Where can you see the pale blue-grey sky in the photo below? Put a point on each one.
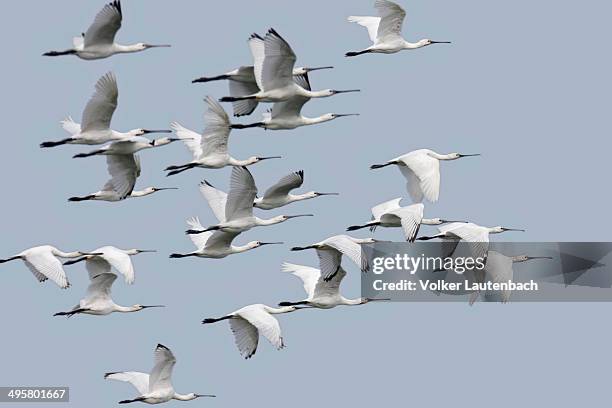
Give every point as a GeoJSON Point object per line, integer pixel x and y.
{"type": "Point", "coordinates": [524, 83]}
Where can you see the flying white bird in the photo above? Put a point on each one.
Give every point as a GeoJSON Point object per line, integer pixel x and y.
{"type": "Point", "coordinates": [98, 301]}
{"type": "Point", "coordinates": [499, 269]}
{"type": "Point", "coordinates": [235, 210]}
{"type": "Point", "coordinates": [217, 244]}
{"type": "Point", "coordinates": [242, 80]}
{"type": "Point", "coordinates": [209, 150]}
{"type": "Point", "coordinates": [124, 169]}
{"type": "Point", "coordinates": [44, 264]}
{"type": "Point", "coordinates": [274, 62]}
{"type": "Point", "coordinates": [95, 123]}
{"type": "Point", "coordinates": [321, 294]}
{"type": "Point", "coordinates": [154, 388]}
{"type": "Point", "coordinates": [391, 214]}
{"type": "Point", "coordinates": [421, 168]}
{"type": "Point", "coordinates": [111, 257]}
{"type": "Point", "coordinates": [330, 253]}
{"type": "Point", "coordinates": [288, 114]}
{"type": "Point", "coordinates": [385, 31]}
{"type": "Point", "coordinates": [250, 321]}
{"type": "Point", "coordinates": [476, 236]}
{"type": "Point", "coordinates": [99, 39]}
{"type": "Point", "coordinates": [129, 146]}
{"type": "Point", "coordinates": [280, 195]}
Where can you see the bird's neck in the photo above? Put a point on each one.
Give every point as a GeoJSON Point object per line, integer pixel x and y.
{"type": "Point", "coordinates": [141, 193]}
{"type": "Point", "coordinates": [120, 48]}
{"type": "Point", "coordinates": [279, 310]}
{"type": "Point", "coordinates": [314, 121]}
{"type": "Point", "coordinates": [269, 221]}
{"type": "Point", "coordinates": [413, 46]}
{"type": "Point", "coordinates": [184, 397]}
{"type": "Point", "coordinates": [316, 94]}
{"type": "Point", "coordinates": [66, 254]}
{"type": "Point", "coordinates": [241, 248]}
{"type": "Point", "coordinates": [298, 197]}
{"type": "Point", "coordinates": [126, 309]}
{"type": "Point", "coordinates": [441, 156]}
{"type": "Point", "coordinates": [429, 221]}
{"type": "Point", "coordinates": [235, 162]}
{"type": "Point", "coordinates": [351, 302]}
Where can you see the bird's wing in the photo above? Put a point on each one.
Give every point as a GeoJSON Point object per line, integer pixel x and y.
{"type": "Point", "coordinates": [332, 287]}
{"type": "Point", "coordinates": [216, 199]}
{"type": "Point", "coordinates": [329, 262]}
{"type": "Point", "coordinates": [221, 239]}
{"type": "Point", "coordinates": [106, 24]}
{"type": "Point", "coordinates": [100, 287]}
{"type": "Point", "coordinates": [265, 323]}
{"type": "Point", "coordinates": [121, 262]}
{"type": "Point", "coordinates": [371, 23]}
{"type": "Point", "coordinates": [477, 238]}
{"type": "Point", "coordinates": [427, 171]}
{"type": "Point", "coordinates": [99, 110]}
{"type": "Point", "coordinates": [278, 62]}
{"type": "Point", "coordinates": [124, 170]}
{"type": "Point", "coordinates": [240, 88]}
{"type": "Point", "coordinates": [140, 381]}
{"type": "Point", "coordinates": [192, 140]}
{"type": "Point", "coordinates": [348, 247]}
{"type": "Point", "coordinates": [245, 336]}
{"type": "Point", "coordinates": [383, 208]}
{"type": "Point", "coordinates": [44, 265]}
{"type": "Point", "coordinates": [285, 185]}
{"type": "Point", "coordinates": [309, 276]}
{"type": "Point", "coordinates": [199, 240]}
{"type": "Point", "coordinates": [410, 217]}
{"type": "Point", "coordinates": [241, 195]}
{"type": "Point", "coordinates": [303, 80]}
{"type": "Point", "coordinates": [413, 184]}
{"type": "Point", "coordinates": [290, 108]}
{"type": "Point", "coordinates": [392, 18]}
{"type": "Point", "coordinates": [96, 265]}
{"type": "Point", "coordinates": [258, 50]}
{"type": "Point", "coordinates": [499, 269]}
{"type": "Point", "coordinates": [217, 130]}
{"type": "Point", "coordinates": [70, 126]}
{"type": "Point", "coordinates": [160, 377]}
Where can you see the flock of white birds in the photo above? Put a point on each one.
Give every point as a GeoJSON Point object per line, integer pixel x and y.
{"type": "Point", "coordinates": [273, 78]}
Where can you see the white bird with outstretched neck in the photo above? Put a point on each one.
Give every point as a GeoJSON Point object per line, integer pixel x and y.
{"type": "Point", "coordinates": [98, 300]}
{"type": "Point", "coordinates": [109, 257]}
{"type": "Point", "coordinates": [386, 31]}
{"type": "Point", "coordinates": [209, 150]}
{"type": "Point", "coordinates": [421, 168]}
{"type": "Point", "coordinates": [475, 235]}
{"type": "Point", "coordinates": [156, 387]}
{"type": "Point", "coordinates": [124, 170]}
{"type": "Point", "coordinates": [99, 39]}
{"type": "Point", "coordinates": [96, 120]}
{"type": "Point", "coordinates": [128, 146]}
{"type": "Point", "coordinates": [273, 68]}
{"type": "Point", "coordinates": [44, 264]}
{"type": "Point", "coordinates": [391, 214]}
{"type": "Point", "coordinates": [217, 244]}
{"type": "Point", "coordinates": [251, 321]}
{"type": "Point", "coordinates": [330, 253]}
{"type": "Point", "coordinates": [242, 80]}
{"type": "Point", "coordinates": [235, 210]}
{"type": "Point", "coordinates": [322, 294]}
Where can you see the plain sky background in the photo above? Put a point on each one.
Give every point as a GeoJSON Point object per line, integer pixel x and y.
{"type": "Point", "coordinates": [524, 83]}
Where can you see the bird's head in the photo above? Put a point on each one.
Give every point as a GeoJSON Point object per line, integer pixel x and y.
{"type": "Point", "coordinates": [257, 159]}
{"type": "Point", "coordinates": [426, 42]}
{"type": "Point", "coordinates": [500, 229]}
{"type": "Point", "coordinates": [145, 46]}
{"type": "Point", "coordinates": [524, 258]}
{"type": "Point", "coordinates": [257, 244]}
{"type": "Point", "coordinates": [332, 116]}
{"type": "Point", "coordinates": [283, 218]}
{"type": "Point", "coordinates": [330, 92]}
{"type": "Point", "coordinates": [163, 140]}
{"type": "Point", "coordinates": [365, 300]}
{"type": "Point", "coordinates": [142, 132]}
{"type": "Point", "coordinates": [151, 190]}
{"type": "Point", "coordinates": [314, 194]}
{"type": "Point", "coordinates": [139, 307]}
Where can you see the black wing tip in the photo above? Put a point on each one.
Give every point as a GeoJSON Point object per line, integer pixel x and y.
{"type": "Point", "coordinates": [206, 183]}
{"type": "Point", "coordinates": [300, 173]}
{"type": "Point", "coordinates": [161, 346]}
{"type": "Point", "coordinates": [106, 375]}
{"type": "Point", "coordinates": [117, 5]}
{"type": "Point", "coordinates": [255, 35]}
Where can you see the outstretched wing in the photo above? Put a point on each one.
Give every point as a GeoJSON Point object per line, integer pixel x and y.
{"type": "Point", "coordinates": [278, 62]}
{"type": "Point", "coordinates": [241, 195]}
{"type": "Point", "coordinates": [411, 218]}
{"type": "Point", "coordinates": [240, 88]}
{"type": "Point", "coordinates": [160, 378]}
{"type": "Point", "coordinates": [121, 262]}
{"type": "Point", "coordinates": [258, 51]}
{"type": "Point", "coordinates": [140, 381]}
{"type": "Point", "coordinates": [124, 170]}
{"type": "Point", "coordinates": [216, 199]}
{"type": "Point", "coordinates": [246, 336]}
{"type": "Point", "coordinates": [217, 130]}
{"type": "Point", "coordinates": [371, 23]}
{"type": "Point", "coordinates": [99, 110]}
{"type": "Point", "coordinates": [383, 208]}
{"type": "Point", "coordinates": [192, 140]}
{"type": "Point", "coordinates": [392, 18]}
{"type": "Point", "coordinates": [44, 265]}
{"type": "Point", "coordinates": [427, 170]}
{"type": "Point", "coordinates": [285, 185]}
{"type": "Point", "coordinates": [199, 240]}
{"type": "Point", "coordinates": [106, 24]}
{"type": "Point", "coordinates": [309, 276]}
{"type": "Point", "coordinates": [345, 245]}
{"type": "Point", "coordinates": [100, 287]}
{"type": "Point", "coordinates": [264, 322]}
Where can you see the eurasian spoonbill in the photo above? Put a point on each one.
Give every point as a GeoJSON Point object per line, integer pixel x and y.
{"type": "Point", "coordinates": [217, 244]}
{"type": "Point", "coordinates": [330, 253]}
{"type": "Point", "coordinates": [280, 195]}
{"type": "Point", "coordinates": [235, 210]}
{"type": "Point", "coordinates": [385, 31]}
{"type": "Point", "coordinates": [99, 39]}
{"type": "Point", "coordinates": [129, 146]}
{"type": "Point", "coordinates": [209, 150]}
{"type": "Point", "coordinates": [274, 74]}
{"type": "Point", "coordinates": [95, 123]}
{"type": "Point", "coordinates": [421, 168]}
{"type": "Point", "coordinates": [322, 294]}
{"type": "Point", "coordinates": [154, 388]}
{"type": "Point", "coordinates": [251, 321]}
{"type": "Point", "coordinates": [44, 264]}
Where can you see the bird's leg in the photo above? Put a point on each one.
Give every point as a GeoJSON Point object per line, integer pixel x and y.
{"type": "Point", "coordinates": [355, 53]}
{"type": "Point", "coordinates": [214, 320]}
{"type": "Point", "coordinates": [179, 169]}
{"type": "Point", "coordinates": [84, 198]}
{"type": "Point", "coordinates": [71, 313]}
{"type": "Point", "coordinates": [58, 53]}
{"type": "Point", "coordinates": [302, 302]}
{"type": "Point", "coordinates": [92, 153]}
{"type": "Point", "coordinates": [13, 258]}
{"type": "Point", "coordinates": [182, 255]}
{"type": "Point", "coordinates": [356, 227]}
{"type": "Point", "coordinates": [208, 79]}
{"type": "Point", "coordinates": [236, 98]}
{"type": "Point", "coordinates": [139, 399]}
{"type": "Point", "coordinates": [58, 143]}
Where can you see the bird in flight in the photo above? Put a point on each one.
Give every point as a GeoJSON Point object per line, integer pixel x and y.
{"type": "Point", "coordinates": [99, 39]}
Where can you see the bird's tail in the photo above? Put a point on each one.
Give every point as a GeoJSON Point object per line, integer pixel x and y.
{"type": "Point", "coordinates": [58, 53]}
{"type": "Point", "coordinates": [13, 258]}
{"type": "Point", "coordinates": [208, 79]}
{"type": "Point", "coordinates": [357, 227]}
{"type": "Point", "coordinates": [355, 53]}
{"type": "Point", "coordinates": [84, 198]}
{"type": "Point", "coordinates": [236, 98]}
{"type": "Point", "coordinates": [57, 143]}
{"type": "Point", "coordinates": [302, 302]}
